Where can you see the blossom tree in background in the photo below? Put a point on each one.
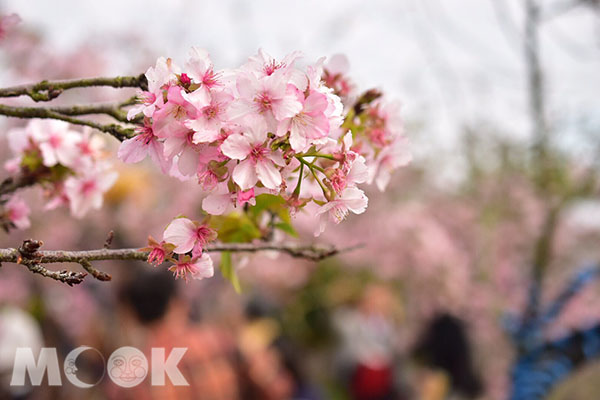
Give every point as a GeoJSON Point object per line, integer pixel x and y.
{"type": "Point", "coordinates": [264, 141]}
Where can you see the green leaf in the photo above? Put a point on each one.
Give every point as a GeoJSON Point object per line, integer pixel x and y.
{"type": "Point", "coordinates": [32, 160]}
{"type": "Point", "coordinates": [265, 202]}
{"type": "Point", "coordinates": [228, 271]}
{"type": "Point", "coordinates": [287, 228]}
{"type": "Point", "coordinates": [235, 228]}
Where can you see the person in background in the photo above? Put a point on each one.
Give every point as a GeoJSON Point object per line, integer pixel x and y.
{"type": "Point", "coordinates": [153, 315]}
{"type": "Point", "coordinates": [272, 367]}
{"type": "Point", "coordinates": [443, 354]}
{"type": "Point", "coordinates": [368, 354]}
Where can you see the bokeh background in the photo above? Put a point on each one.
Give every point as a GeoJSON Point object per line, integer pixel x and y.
{"type": "Point", "coordinates": [460, 231]}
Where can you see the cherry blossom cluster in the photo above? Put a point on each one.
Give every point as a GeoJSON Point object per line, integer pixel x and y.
{"type": "Point", "coordinates": [187, 239]}
{"type": "Point", "coordinates": [269, 126]}
{"type": "Point", "coordinates": [70, 165]}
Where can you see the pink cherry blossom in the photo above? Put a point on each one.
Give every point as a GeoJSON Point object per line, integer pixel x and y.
{"type": "Point", "coordinates": [159, 76]}
{"type": "Point", "coordinates": [90, 145]}
{"type": "Point", "coordinates": [200, 68]}
{"type": "Point", "coordinates": [144, 144]}
{"type": "Point", "coordinates": [211, 117]}
{"type": "Point", "coordinates": [157, 251]}
{"type": "Point", "coordinates": [169, 120]}
{"type": "Point", "coordinates": [269, 97]}
{"type": "Point", "coordinates": [351, 199]}
{"type": "Point", "coordinates": [57, 143]}
{"type": "Point", "coordinates": [188, 235]}
{"type": "Point", "coordinates": [389, 159]}
{"type": "Point", "coordinates": [220, 201]}
{"type": "Point", "coordinates": [268, 126]}
{"type": "Point", "coordinates": [17, 212]}
{"type": "Point", "coordinates": [263, 64]}
{"type": "Point", "coordinates": [197, 268]}
{"type": "Point", "coordinates": [334, 75]}
{"type": "Point", "coordinates": [86, 192]}
{"type": "Point", "coordinates": [309, 124]}
{"type": "Point", "coordinates": [258, 162]}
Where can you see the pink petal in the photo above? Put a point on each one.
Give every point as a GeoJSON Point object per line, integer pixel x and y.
{"type": "Point", "coordinates": [132, 151]}
{"type": "Point", "coordinates": [203, 267]}
{"type": "Point", "coordinates": [268, 174]}
{"type": "Point", "coordinates": [244, 174]}
{"type": "Point", "coordinates": [202, 135]}
{"type": "Point", "coordinates": [286, 107]}
{"type": "Point", "coordinates": [315, 103]}
{"type": "Point", "coordinates": [236, 147]}
{"type": "Point", "coordinates": [182, 233]}
{"type": "Point", "coordinates": [188, 161]}
{"type": "Point", "coordinates": [216, 204]}
{"type": "Point", "coordinates": [157, 154]}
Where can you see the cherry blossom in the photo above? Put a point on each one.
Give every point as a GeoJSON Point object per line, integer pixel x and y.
{"type": "Point", "coordinates": [269, 97]}
{"type": "Point", "coordinates": [258, 162]}
{"type": "Point", "coordinates": [158, 252]}
{"type": "Point", "coordinates": [86, 192]}
{"type": "Point", "coordinates": [188, 235]}
{"type": "Point", "coordinates": [158, 76]}
{"type": "Point", "coordinates": [17, 212]}
{"type": "Point", "coordinates": [351, 199]}
{"type": "Point", "coordinates": [200, 68]}
{"type": "Point", "coordinates": [196, 268]}
{"type": "Point", "coordinates": [57, 143]}
{"type": "Point", "coordinates": [72, 163]}
{"type": "Point", "coordinates": [268, 126]}
{"type": "Point", "coordinates": [309, 124]}
{"type": "Point", "coordinates": [144, 144]}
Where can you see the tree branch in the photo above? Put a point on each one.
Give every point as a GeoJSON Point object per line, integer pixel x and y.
{"type": "Point", "coordinates": [116, 130]}
{"type": "Point", "coordinates": [112, 110]}
{"type": "Point", "coordinates": [49, 90]}
{"type": "Point", "coordinates": [30, 256]}
{"type": "Point", "coordinates": [12, 184]}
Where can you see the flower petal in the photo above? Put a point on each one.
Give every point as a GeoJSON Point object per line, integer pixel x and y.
{"type": "Point", "coordinates": [244, 174]}
{"type": "Point", "coordinates": [182, 233]}
{"type": "Point", "coordinates": [236, 147]}
{"type": "Point", "coordinates": [268, 174]}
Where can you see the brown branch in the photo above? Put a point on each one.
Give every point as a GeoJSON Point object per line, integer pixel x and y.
{"type": "Point", "coordinates": [49, 90]}
{"type": "Point", "coordinates": [116, 130]}
{"type": "Point", "coordinates": [12, 184]}
{"type": "Point", "coordinates": [112, 110]}
{"type": "Point", "coordinates": [30, 256]}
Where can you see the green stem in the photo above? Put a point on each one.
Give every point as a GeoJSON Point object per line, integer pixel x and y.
{"type": "Point", "coordinates": [312, 170]}
{"type": "Point", "coordinates": [297, 189]}
{"type": "Point", "coordinates": [327, 156]}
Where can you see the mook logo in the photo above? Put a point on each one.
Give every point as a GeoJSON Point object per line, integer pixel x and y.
{"type": "Point", "coordinates": [126, 367]}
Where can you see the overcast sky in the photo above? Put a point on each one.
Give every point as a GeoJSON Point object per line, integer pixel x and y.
{"type": "Point", "coordinates": [450, 62]}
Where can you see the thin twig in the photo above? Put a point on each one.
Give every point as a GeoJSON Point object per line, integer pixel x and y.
{"type": "Point", "coordinates": [30, 256]}
{"type": "Point", "coordinates": [116, 130]}
{"type": "Point", "coordinates": [49, 90]}
{"type": "Point", "coordinates": [112, 110]}
{"type": "Point", "coordinates": [12, 184]}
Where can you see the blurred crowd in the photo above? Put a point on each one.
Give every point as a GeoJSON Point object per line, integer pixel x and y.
{"type": "Point", "coordinates": [245, 353]}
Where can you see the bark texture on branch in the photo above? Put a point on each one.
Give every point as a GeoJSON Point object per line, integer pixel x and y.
{"type": "Point", "coordinates": [30, 255]}
{"type": "Point", "coordinates": [116, 130]}
{"type": "Point", "coordinates": [49, 90]}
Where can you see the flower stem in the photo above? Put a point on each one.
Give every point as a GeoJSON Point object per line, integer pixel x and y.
{"type": "Point", "coordinates": [327, 156]}
{"type": "Point", "coordinates": [300, 175]}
